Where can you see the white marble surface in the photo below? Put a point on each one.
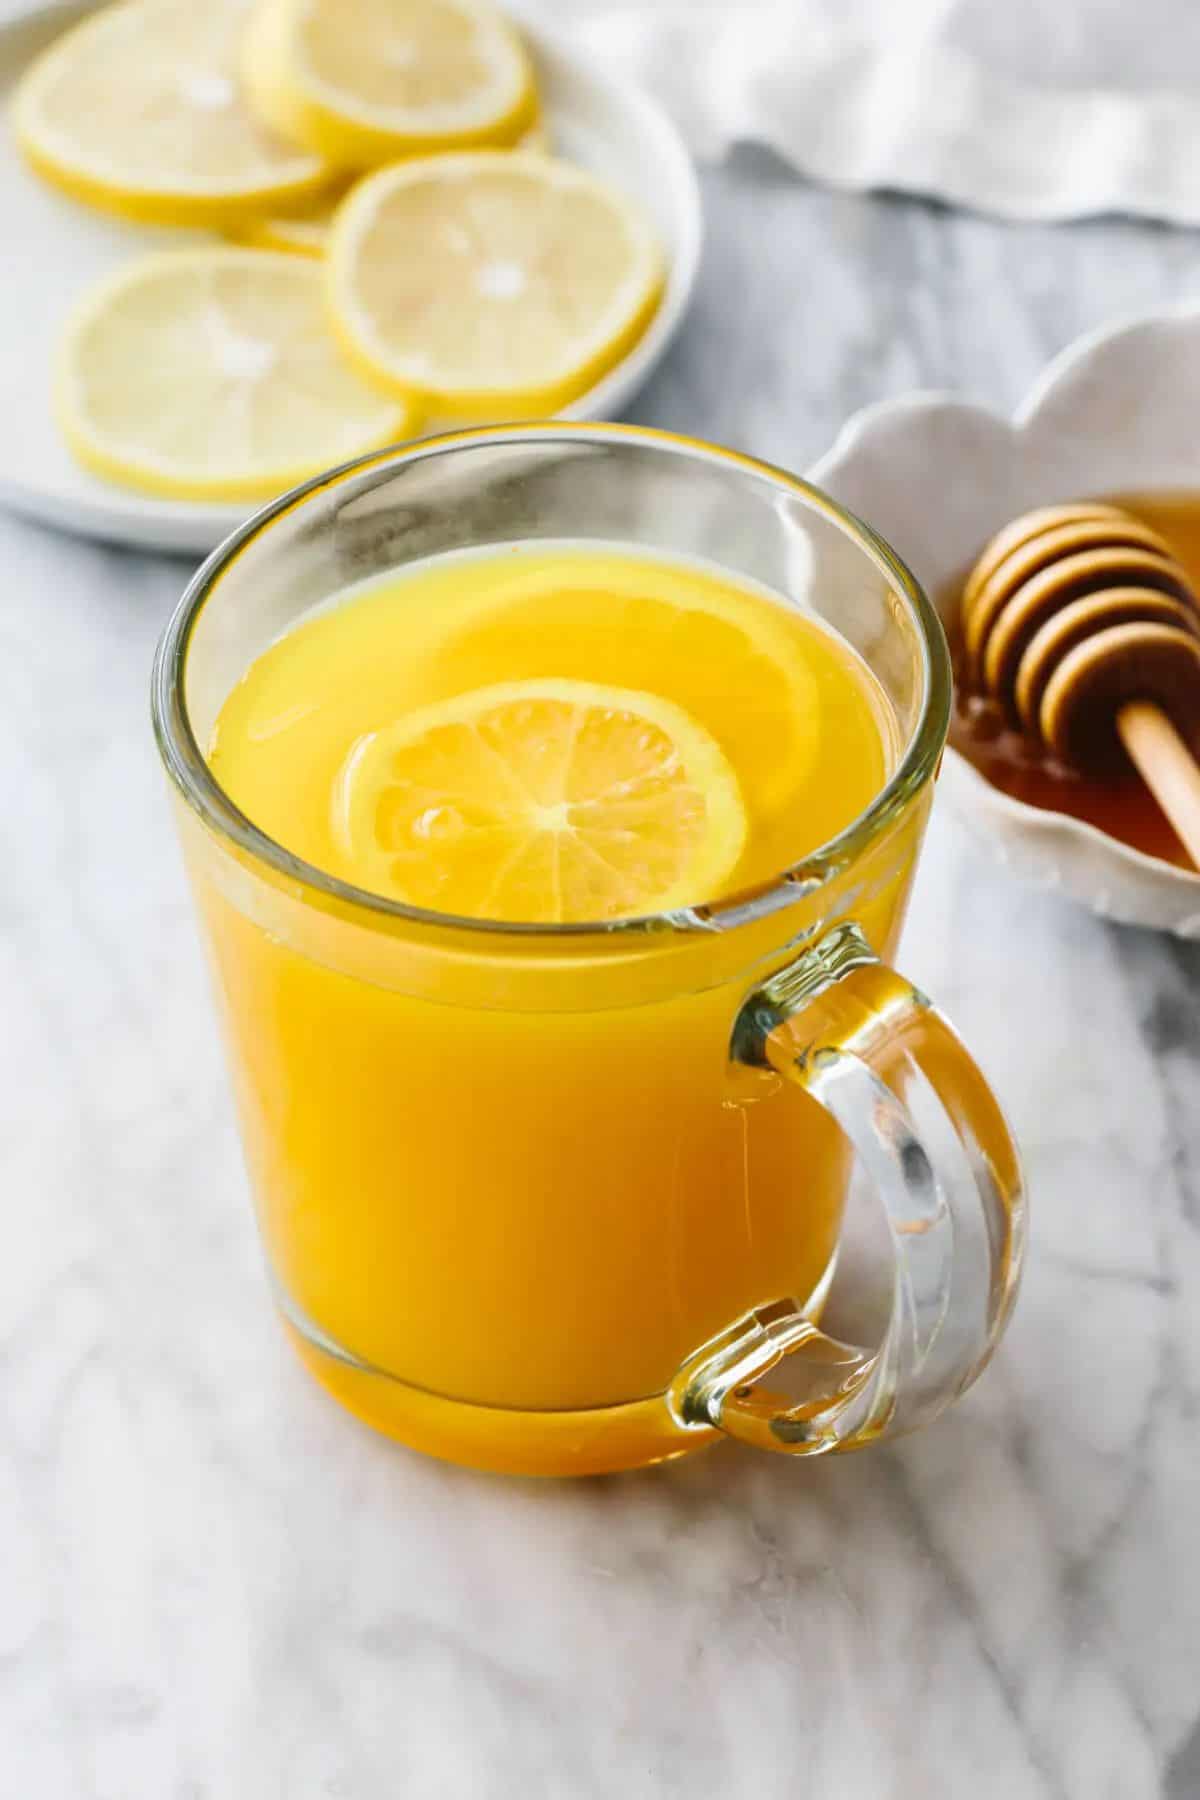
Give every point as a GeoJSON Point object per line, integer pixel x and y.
{"type": "Point", "coordinates": [213, 1586]}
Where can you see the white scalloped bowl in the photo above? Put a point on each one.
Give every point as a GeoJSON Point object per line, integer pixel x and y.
{"type": "Point", "coordinates": [1117, 412]}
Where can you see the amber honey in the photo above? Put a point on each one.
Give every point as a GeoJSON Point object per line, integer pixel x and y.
{"type": "Point", "coordinates": [1119, 804]}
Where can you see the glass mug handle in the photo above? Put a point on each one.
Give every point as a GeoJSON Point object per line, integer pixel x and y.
{"type": "Point", "coordinates": [861, 1041]}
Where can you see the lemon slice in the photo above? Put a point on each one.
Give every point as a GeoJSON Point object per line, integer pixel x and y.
{"type": "Point", "coordinates": [362, 82]}
{"type": "Point", "coordinates": [491, 284]}
{"type": "Point", "coordinates": [541, 801]}
{"type": "Point", "coordinates": [137, 110]}
{"type": "Point", "coordinates": [210, 374]}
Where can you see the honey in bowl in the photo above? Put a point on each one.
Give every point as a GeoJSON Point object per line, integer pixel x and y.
{"type": "Point", "coordinates": [1115, 799]}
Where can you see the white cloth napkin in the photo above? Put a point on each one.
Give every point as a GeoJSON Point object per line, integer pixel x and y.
{"type": "Point", "coordinates": [1033, 109]}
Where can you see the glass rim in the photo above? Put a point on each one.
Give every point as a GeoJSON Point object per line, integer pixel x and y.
{"type": "Point", "coordinates": [189, 770]}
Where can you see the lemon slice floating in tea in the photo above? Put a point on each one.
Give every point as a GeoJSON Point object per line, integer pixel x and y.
{"type": "Point", "coordinates": [541, 801]}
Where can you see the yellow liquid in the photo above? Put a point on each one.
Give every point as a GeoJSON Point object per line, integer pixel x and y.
{"type": "Point", "coordinates": [799, 718]}
{"type": "Point", "coordinates": [506, 1188]}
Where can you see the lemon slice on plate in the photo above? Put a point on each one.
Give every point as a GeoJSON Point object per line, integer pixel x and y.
{"type": "Point", "coordinates": [541, 801]}
{"type": "Point", "coordinates": [490, 284]}
{"type": "Point", "coordinates": [362, 82]}
{"type": "Point", "coordinates": [209, 374]}
{"type": "Point", "coordinates": [137, 110]}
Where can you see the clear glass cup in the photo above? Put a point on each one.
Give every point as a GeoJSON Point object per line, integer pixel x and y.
{"type": "Point", "coordinates": [566, 1199]}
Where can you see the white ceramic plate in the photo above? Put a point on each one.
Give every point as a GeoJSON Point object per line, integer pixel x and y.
{"type": "Point", "coordinates": [1117, 412]}
{"type": "Point", "coordinates": [53, 248]}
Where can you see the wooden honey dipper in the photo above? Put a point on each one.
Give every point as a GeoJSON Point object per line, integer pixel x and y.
{"type": "Point", "coordinates": [1080, 621]}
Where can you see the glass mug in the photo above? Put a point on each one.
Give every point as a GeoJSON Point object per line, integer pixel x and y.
{"type": "Point", "coordinates": [565, 1199]}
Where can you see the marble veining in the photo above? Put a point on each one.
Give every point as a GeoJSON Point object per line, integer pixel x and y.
{"type": "Point", "coordinates": [213, 1586]}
